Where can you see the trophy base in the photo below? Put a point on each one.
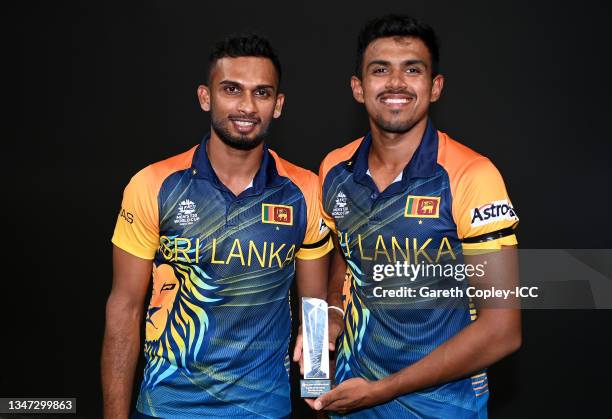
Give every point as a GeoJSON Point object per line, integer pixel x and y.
{"type": "Point", "coordinates": [313, 388]}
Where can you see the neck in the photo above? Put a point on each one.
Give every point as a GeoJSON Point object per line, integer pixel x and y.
{"type": "Point", "coordinates": [395, 150]}
{"type": "Point", "coordinates": [232, 165]}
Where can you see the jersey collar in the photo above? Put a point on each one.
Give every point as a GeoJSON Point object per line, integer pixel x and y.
{"type": "Point", "coordinates": [422, 165]}
{"type": "Point", "coordinates": [266, 177]}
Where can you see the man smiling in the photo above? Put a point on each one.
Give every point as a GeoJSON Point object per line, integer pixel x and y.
{"type": "Point", "coordinates": [223, 228]}
{"type": "Point", "coordinates": [407, 192]}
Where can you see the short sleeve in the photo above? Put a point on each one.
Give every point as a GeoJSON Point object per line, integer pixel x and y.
{"type": "Point", "coordinates": [327, 218]}
{"type": "Point", "coordinates": [137, 228]}
{"type": "Point", "coordinates": [317, 241]}
{"type": "Point", "coordinates": [482, 210]}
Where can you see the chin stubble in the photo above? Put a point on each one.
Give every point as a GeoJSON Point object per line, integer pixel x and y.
{"type": "Point", "coordinates": [238, 142]}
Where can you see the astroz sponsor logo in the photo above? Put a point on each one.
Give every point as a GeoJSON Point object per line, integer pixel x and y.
{"type": "Point", "coordinates": [127, 216]}
{"type": "Point", "coordinates": [492, 212]}
{"type": "Point", "coordinates": [322, 227]}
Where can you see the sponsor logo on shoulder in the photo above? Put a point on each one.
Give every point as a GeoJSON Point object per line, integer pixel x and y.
{"type": "Point", "coordinates": [277, 214]}
{"type": "Point", "coordinates": [341, 206]}
{"type": "Point", "coordinates": [323, 227]}
{"type": "Point", "coordinates": [127, 216]}
{"type": "Point", "coordinates": [186, 213]}
{"type": "Point", "coordinates": [492, 212]}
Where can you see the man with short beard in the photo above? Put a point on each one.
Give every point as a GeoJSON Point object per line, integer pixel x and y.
{"type": "Point", "coordinates": [223, 228]}
{"type": "Point", "coordinates": [408, 192]}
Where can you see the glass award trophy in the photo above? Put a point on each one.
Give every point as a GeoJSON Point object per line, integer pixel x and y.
{"type": "Point", "coordinates": [315, 346]}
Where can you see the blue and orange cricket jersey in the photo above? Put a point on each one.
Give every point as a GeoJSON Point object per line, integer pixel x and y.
{"type": "Point", "coordinates": [218, 323]}
{"type": "Point", "coordinates": [448, 199]}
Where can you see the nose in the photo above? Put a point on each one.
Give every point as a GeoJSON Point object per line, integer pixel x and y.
{"type": "Point", "coordinates": [247, 104]}
{"type": "Point", "coordinates": [396, 80]}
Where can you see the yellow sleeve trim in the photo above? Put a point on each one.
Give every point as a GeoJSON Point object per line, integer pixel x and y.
{"type": "Point", "coordinates": [485, 247]}
{"type": "Point", "coordinates": [317, 252]}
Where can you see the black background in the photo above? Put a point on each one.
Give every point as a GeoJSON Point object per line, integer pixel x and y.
{"type": "Point", "coordinates": [102, 90]}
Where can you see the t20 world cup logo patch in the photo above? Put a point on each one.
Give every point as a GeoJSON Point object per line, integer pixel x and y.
{"type": "Point", "coordinates": [422, 206]}
{"type": "Point", "coordinates": [277, 214]}
{"type": "Point", "coordinates": [186, 215]}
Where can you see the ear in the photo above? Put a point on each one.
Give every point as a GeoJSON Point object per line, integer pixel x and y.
{"type": "Point", "coordinates": [436, 88]}
{"type": "Point", "coordinates": [357, 89]}
{"type": "Point", "coordinates": [204, 98]}
{"type": "Point", "coordinates": [278, 105]}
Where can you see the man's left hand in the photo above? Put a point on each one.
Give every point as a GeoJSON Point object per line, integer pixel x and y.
{"type": "Point", "coordinates": [355, 393]}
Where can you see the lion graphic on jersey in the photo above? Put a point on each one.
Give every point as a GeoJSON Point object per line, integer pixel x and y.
{"type": "Point", "coordinates": [176, 320]}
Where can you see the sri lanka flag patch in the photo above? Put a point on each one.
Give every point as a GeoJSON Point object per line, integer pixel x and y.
{"type": "Point", "coordinates": [422, 206]}
{"type": "Point", "coordinates": [277, 214]}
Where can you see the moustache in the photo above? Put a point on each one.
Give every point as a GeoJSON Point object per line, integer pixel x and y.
{"type": "Point", "coordinates": [396, 92]}
{"type": "Point", "coordinates": [247, 118]}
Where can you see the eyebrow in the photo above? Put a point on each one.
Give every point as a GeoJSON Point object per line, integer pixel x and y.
{"type": "Point", "coordinates": [404, 63]}
{"type": "Point", "coordinates": [413, 62]}
{"type": "Point", "coordinates": [264, 86]}
{"type": "Point", "coordinates": [235, 83]}
{"type": "Point", "coordinates": [378, 62]}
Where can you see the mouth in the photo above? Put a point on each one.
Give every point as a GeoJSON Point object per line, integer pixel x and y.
{"type": "Point", "coordinates": [396, 101]}
{"type": "Point", "coordinates": [244, 125]}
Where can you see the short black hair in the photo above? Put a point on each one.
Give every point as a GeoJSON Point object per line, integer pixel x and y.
{"type": "Point", "coordinates": [244, 45]}
{"type": "Point", "coordinates": [397, 25]}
